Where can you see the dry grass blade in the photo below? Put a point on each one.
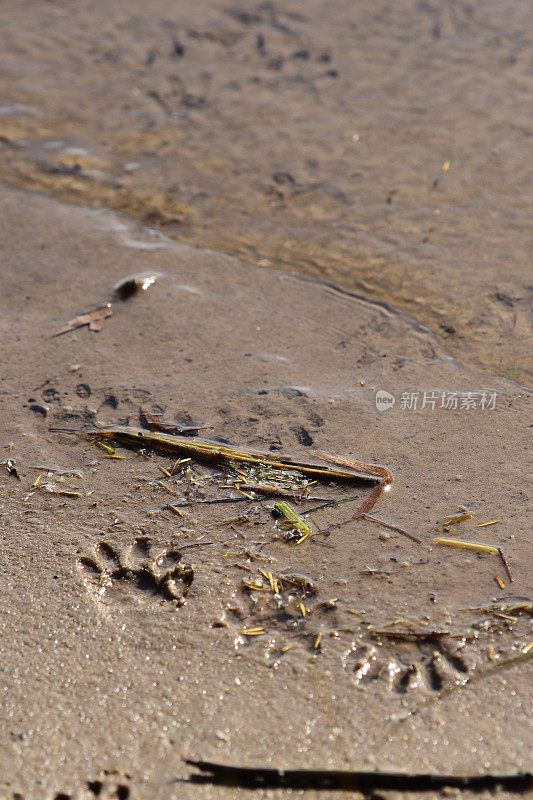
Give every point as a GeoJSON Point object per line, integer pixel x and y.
{"type": "Point", "coordinates": [505, 564]}
{"type": "Point", "coordinates": [381, 473]}
{"type": "Point", "coordinates": [482, 548]}
{"type": "Point", "coordinates": [371, 469]}
{"type": "Point", "coordinates": [153, 423]}
{"type": "Point", "coordinates": [392, 528]}
{"type": "Point", "coordinates": [385, 479]}
{"type": "Point", "coordinates": [277, 490]}
{"type": "Point", "coordinates": [222, 454]}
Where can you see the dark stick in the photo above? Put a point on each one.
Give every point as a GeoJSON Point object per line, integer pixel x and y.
{"type": "Point", "coordinates": [221, 774]}
{"type": "Point", "coordinates": [392, 527]}
{"type": "Point", "coordinates": [505, 564]}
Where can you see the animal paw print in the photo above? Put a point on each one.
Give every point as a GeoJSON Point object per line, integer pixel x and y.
{"type": "Point", "coordinates": [428, 664]}
{"type": "Point", "coordinates": [109, 785]}
{"type": "Point", "coordinates": [157, 579]}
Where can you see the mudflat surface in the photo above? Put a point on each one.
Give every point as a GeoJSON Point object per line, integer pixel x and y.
{"type": "Point", "coordinates": [300, 135]}
{"type": "Point", "coordinates": [334, 203]}
{"type": "Point", "coordinates": [110, 672]}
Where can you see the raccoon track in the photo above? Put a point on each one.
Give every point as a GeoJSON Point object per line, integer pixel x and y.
{"type": "Point", "coordinates": [109, 785]}
{"type": "Point", "coordinates": [430, 664]}
{"type": "Point", "coordinates": [139, 574]}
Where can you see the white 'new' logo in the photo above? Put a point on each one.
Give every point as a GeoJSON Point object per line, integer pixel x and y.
{"type": "Point", "coordinates": [384, 400]}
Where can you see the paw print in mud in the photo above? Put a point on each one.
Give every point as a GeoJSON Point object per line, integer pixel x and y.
{"type": "Point", "coordinates": [108, 785]}
{"type": "Point", "coordinates": [428, 663]}
{"type": "Point", "coordinates": [138, 575]}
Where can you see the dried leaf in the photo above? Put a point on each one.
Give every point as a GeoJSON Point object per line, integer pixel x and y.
{"type": "Point", "coordinates": [95, 319]}
{"type": "Point", "coordinates": [153, 423]}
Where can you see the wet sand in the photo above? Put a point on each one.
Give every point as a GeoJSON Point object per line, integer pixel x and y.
{"type": "Point", "coordinates": [232, 153]}
{"type": "Point", "coordinates": [103, 670]}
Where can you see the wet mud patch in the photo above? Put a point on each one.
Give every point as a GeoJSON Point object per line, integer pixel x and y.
{"type": "Point", "coordinates": [286, 614]}
{"type": "Point", "coordinates": [257, 356]}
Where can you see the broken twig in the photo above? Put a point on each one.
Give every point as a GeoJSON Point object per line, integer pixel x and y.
{"type": "Point", "coordinates": [222, 454]}
{"type": "Point", "coordinates": [262, 777]}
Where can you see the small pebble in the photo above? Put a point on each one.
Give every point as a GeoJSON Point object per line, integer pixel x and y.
{"type": "Point", "coordinates": [384, 537]}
